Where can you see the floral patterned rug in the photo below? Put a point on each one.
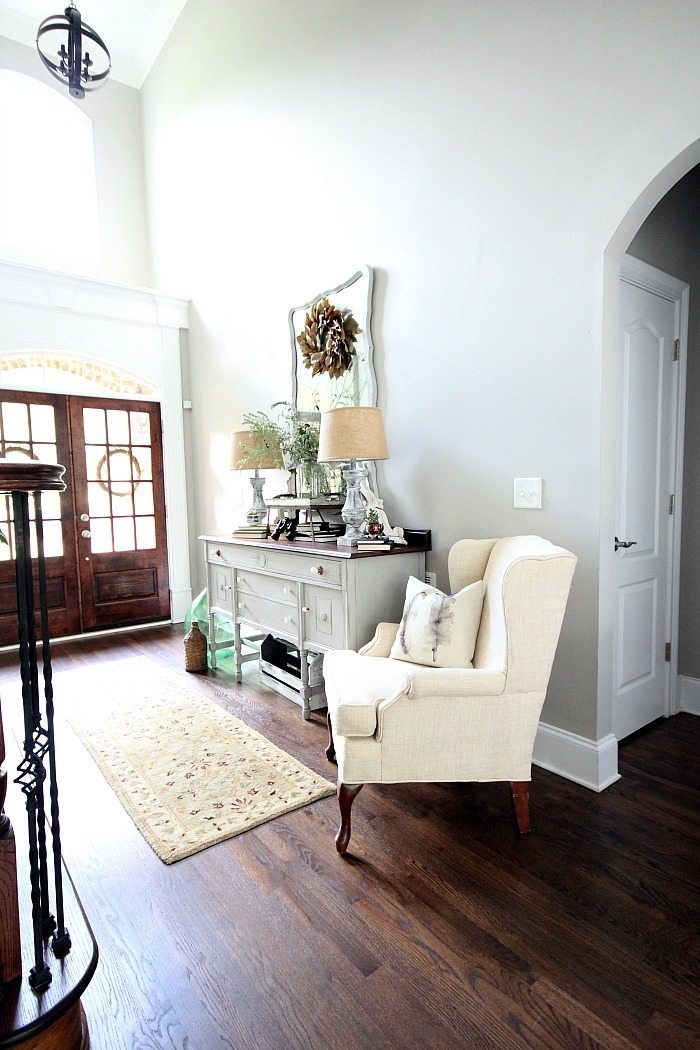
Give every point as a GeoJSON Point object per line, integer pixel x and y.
{"type": "Point", "coordinates": [188, 773]}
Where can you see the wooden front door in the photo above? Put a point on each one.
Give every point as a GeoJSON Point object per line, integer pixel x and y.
{"type": "Point", "coordinates": [35, 426]}
{"type": "Point", "coordinates": [105, 537]}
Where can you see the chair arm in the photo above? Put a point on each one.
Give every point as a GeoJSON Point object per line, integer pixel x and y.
{"type": "Point", "coordinates": [382, 642]}
{"type": "Point", "coordinates": [455, 681]}
{"type": "Point", "coordinates": [356, 686]}
{"type": "Point", "coordinates": [444, 687]}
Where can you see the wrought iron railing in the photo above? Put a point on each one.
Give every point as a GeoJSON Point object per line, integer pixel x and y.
{"type": "Point", "coordinates": [24, 481]}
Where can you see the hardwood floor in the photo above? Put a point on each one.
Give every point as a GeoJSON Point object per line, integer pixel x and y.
{"type": "Point", "coordinates": [440, 929]}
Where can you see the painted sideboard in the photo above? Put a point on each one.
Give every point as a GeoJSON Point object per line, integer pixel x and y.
{"type": "Point", "coordinates": [314, 596]}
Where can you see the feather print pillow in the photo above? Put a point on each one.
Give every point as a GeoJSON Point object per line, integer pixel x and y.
{"type": "Point", "coordinates": [439, 629]}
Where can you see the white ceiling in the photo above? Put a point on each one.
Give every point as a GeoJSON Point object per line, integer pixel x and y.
{"type": "Point", "coordinates": [133, 30]}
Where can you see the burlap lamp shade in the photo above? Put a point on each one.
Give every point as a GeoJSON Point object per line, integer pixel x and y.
{"type": "Point", "coordinates": [352, 433]}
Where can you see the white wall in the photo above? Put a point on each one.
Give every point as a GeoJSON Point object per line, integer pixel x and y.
{"type": "Point", "coordinates": [115, 112]}
{"type": "Point", "coordinates": [670, 240]}
{"type": "Point", "coordinates": [480, 157]}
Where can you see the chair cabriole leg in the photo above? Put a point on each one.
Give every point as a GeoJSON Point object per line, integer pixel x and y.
{"type": "Point", "coordinates": [346, 796]}
{"type": "Point", "coordinates": [330, 750]}
{"type": "Point", "coordinates": [520, 793]}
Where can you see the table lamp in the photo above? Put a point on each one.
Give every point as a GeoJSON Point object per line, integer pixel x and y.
{"type": "Point", "coordinates": [252, 451]}
{"type": "Point", "coordinates": [352, 434]}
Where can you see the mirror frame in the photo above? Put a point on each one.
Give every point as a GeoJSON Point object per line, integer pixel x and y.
{"type": "Point", "coordinates": [365, 325]}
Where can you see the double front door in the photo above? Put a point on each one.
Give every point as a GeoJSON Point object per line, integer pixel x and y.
{"type": "Point", "coordinates": [105, 536]}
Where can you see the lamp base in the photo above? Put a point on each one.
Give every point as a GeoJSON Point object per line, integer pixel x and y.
{"type": "Point", "coordinates": [349, 537]}
{"type": "Point", "coordinates": [257, 513]}
{"type": "Point", "coordinates": [353, 513]}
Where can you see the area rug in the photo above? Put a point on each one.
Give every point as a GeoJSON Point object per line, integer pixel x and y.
{"type": "Point", "coordinates": [188, 773]}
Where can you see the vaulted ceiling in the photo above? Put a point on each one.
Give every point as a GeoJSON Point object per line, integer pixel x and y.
{"type": "Point", "coordinates": [133, 30]}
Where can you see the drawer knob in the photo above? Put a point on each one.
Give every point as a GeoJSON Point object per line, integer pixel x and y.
{"type": "Point", "coordinates": [317, 570]}
{"type": "Point", "coordinates": [217, 552]}
{"type": "Point", "coordinates": [240, 605]}
{"type": "Point", "coordinates": [323, 617]}
{"type": "Point", "coordinates": [305, 608]}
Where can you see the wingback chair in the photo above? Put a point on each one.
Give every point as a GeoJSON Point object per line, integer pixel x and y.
{"type": "Point", "coordinates": [394, 722]}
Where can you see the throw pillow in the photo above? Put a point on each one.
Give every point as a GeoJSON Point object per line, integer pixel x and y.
{"type": "Point", "coordinates": [439, 629]}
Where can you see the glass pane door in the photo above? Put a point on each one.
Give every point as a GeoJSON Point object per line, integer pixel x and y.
{"type": "Point", "coordinates": [35, 426]}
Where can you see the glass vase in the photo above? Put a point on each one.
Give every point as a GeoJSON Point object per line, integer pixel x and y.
{"type": "Point", "coordinates": [311, 480]}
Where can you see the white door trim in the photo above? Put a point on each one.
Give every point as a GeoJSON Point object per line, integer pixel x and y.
{"type": "Point", "coordinates": [135, 331]}
{"type": "Point", "coordinates": [641, 274]}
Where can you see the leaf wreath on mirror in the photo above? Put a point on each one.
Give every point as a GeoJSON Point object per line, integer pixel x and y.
{"type": "Point", "coordinates": [327, 341]}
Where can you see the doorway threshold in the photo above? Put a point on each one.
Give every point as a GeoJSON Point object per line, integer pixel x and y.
{"type": "Point", "coordinates": [94, 634]}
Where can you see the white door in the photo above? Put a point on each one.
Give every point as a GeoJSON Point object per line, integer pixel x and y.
{"type": "Point", "coordinates": [650, 315]}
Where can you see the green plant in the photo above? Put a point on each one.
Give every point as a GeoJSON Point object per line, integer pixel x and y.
{"type": "Point", "coordinates": [371, 517]}
{"type": "Point", "coordinates": [297, 437]}
{"type": "Point", "coordinates": [265, 429]}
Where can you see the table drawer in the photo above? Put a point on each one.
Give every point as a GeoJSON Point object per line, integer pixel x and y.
{"type": "Point", "coordinates": [262, 586]}
{"type": "Point", "coordinates": [282, 562]}
{"type": "Point", "coordinates": [324, 617]}
{"type": "Point", "coordinates": [311, 567]}
{"type": "Point", "coordinates": [270, 615]}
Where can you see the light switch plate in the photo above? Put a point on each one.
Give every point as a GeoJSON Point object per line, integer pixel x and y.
{"type": "Point", "coordinates": [527, 493]}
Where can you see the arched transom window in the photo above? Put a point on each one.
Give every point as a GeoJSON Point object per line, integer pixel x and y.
{"type": "Point", "coordinates": [67, 373]}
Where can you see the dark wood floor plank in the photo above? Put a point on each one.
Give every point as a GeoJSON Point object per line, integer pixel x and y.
{"type": "Point", "coordinates": [443, 929]}
{"type": "Point", "coordinates": [514, 906]}
{"type": "Point", "coordinates": [416, 962]}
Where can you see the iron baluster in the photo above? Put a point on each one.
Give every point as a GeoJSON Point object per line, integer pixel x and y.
{"type": "Point", "coordinates": [31, 769]}
{"type": "Point", "coordinates": [61, 942]}
{"type": "Point", "coordinates": [40, 735]}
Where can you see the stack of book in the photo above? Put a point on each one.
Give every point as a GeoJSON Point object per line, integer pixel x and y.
{"type": "Point", "coordinates": [251, 532]}
{"type": "Point", "coordinates": [375, 543]}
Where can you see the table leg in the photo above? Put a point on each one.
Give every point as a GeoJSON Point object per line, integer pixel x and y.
{"type": "Point", "coordinates": [305, 687]}
{"type": "Point", "coordinates": [212, 641]}
{"type": "Point", "coordinates": [239, 652]}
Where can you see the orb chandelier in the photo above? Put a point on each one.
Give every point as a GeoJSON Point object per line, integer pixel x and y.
{"type": "Point", "coordinates": [63, 42]}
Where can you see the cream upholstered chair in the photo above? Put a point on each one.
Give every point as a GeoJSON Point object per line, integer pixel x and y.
{"type": "Point", "coordinates": [393, 722]}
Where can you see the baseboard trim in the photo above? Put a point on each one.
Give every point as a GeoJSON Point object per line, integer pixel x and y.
{"type": "Point", "coordinates": [689, 694]}
{"type": "Point", "coordinates": [591, 763]}
{"type": "Point", "coordinates": [180, 604]}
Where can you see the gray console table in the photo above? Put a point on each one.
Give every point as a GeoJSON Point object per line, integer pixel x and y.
{"type": "Point", "coordinates": [315, 596]}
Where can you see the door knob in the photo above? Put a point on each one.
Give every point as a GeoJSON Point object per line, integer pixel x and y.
{"type": "Point", "coordinates": [86, 534]}
{"type": "Point", "coordinates": [624, 543]}
{"type": "Point", "coordinates": [84, 517]}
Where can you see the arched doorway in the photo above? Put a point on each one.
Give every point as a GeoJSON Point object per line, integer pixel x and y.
{"type": "Point", "coordinates": [612, 386]}
{"type": "Point", "coordinates": [119, 341]}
